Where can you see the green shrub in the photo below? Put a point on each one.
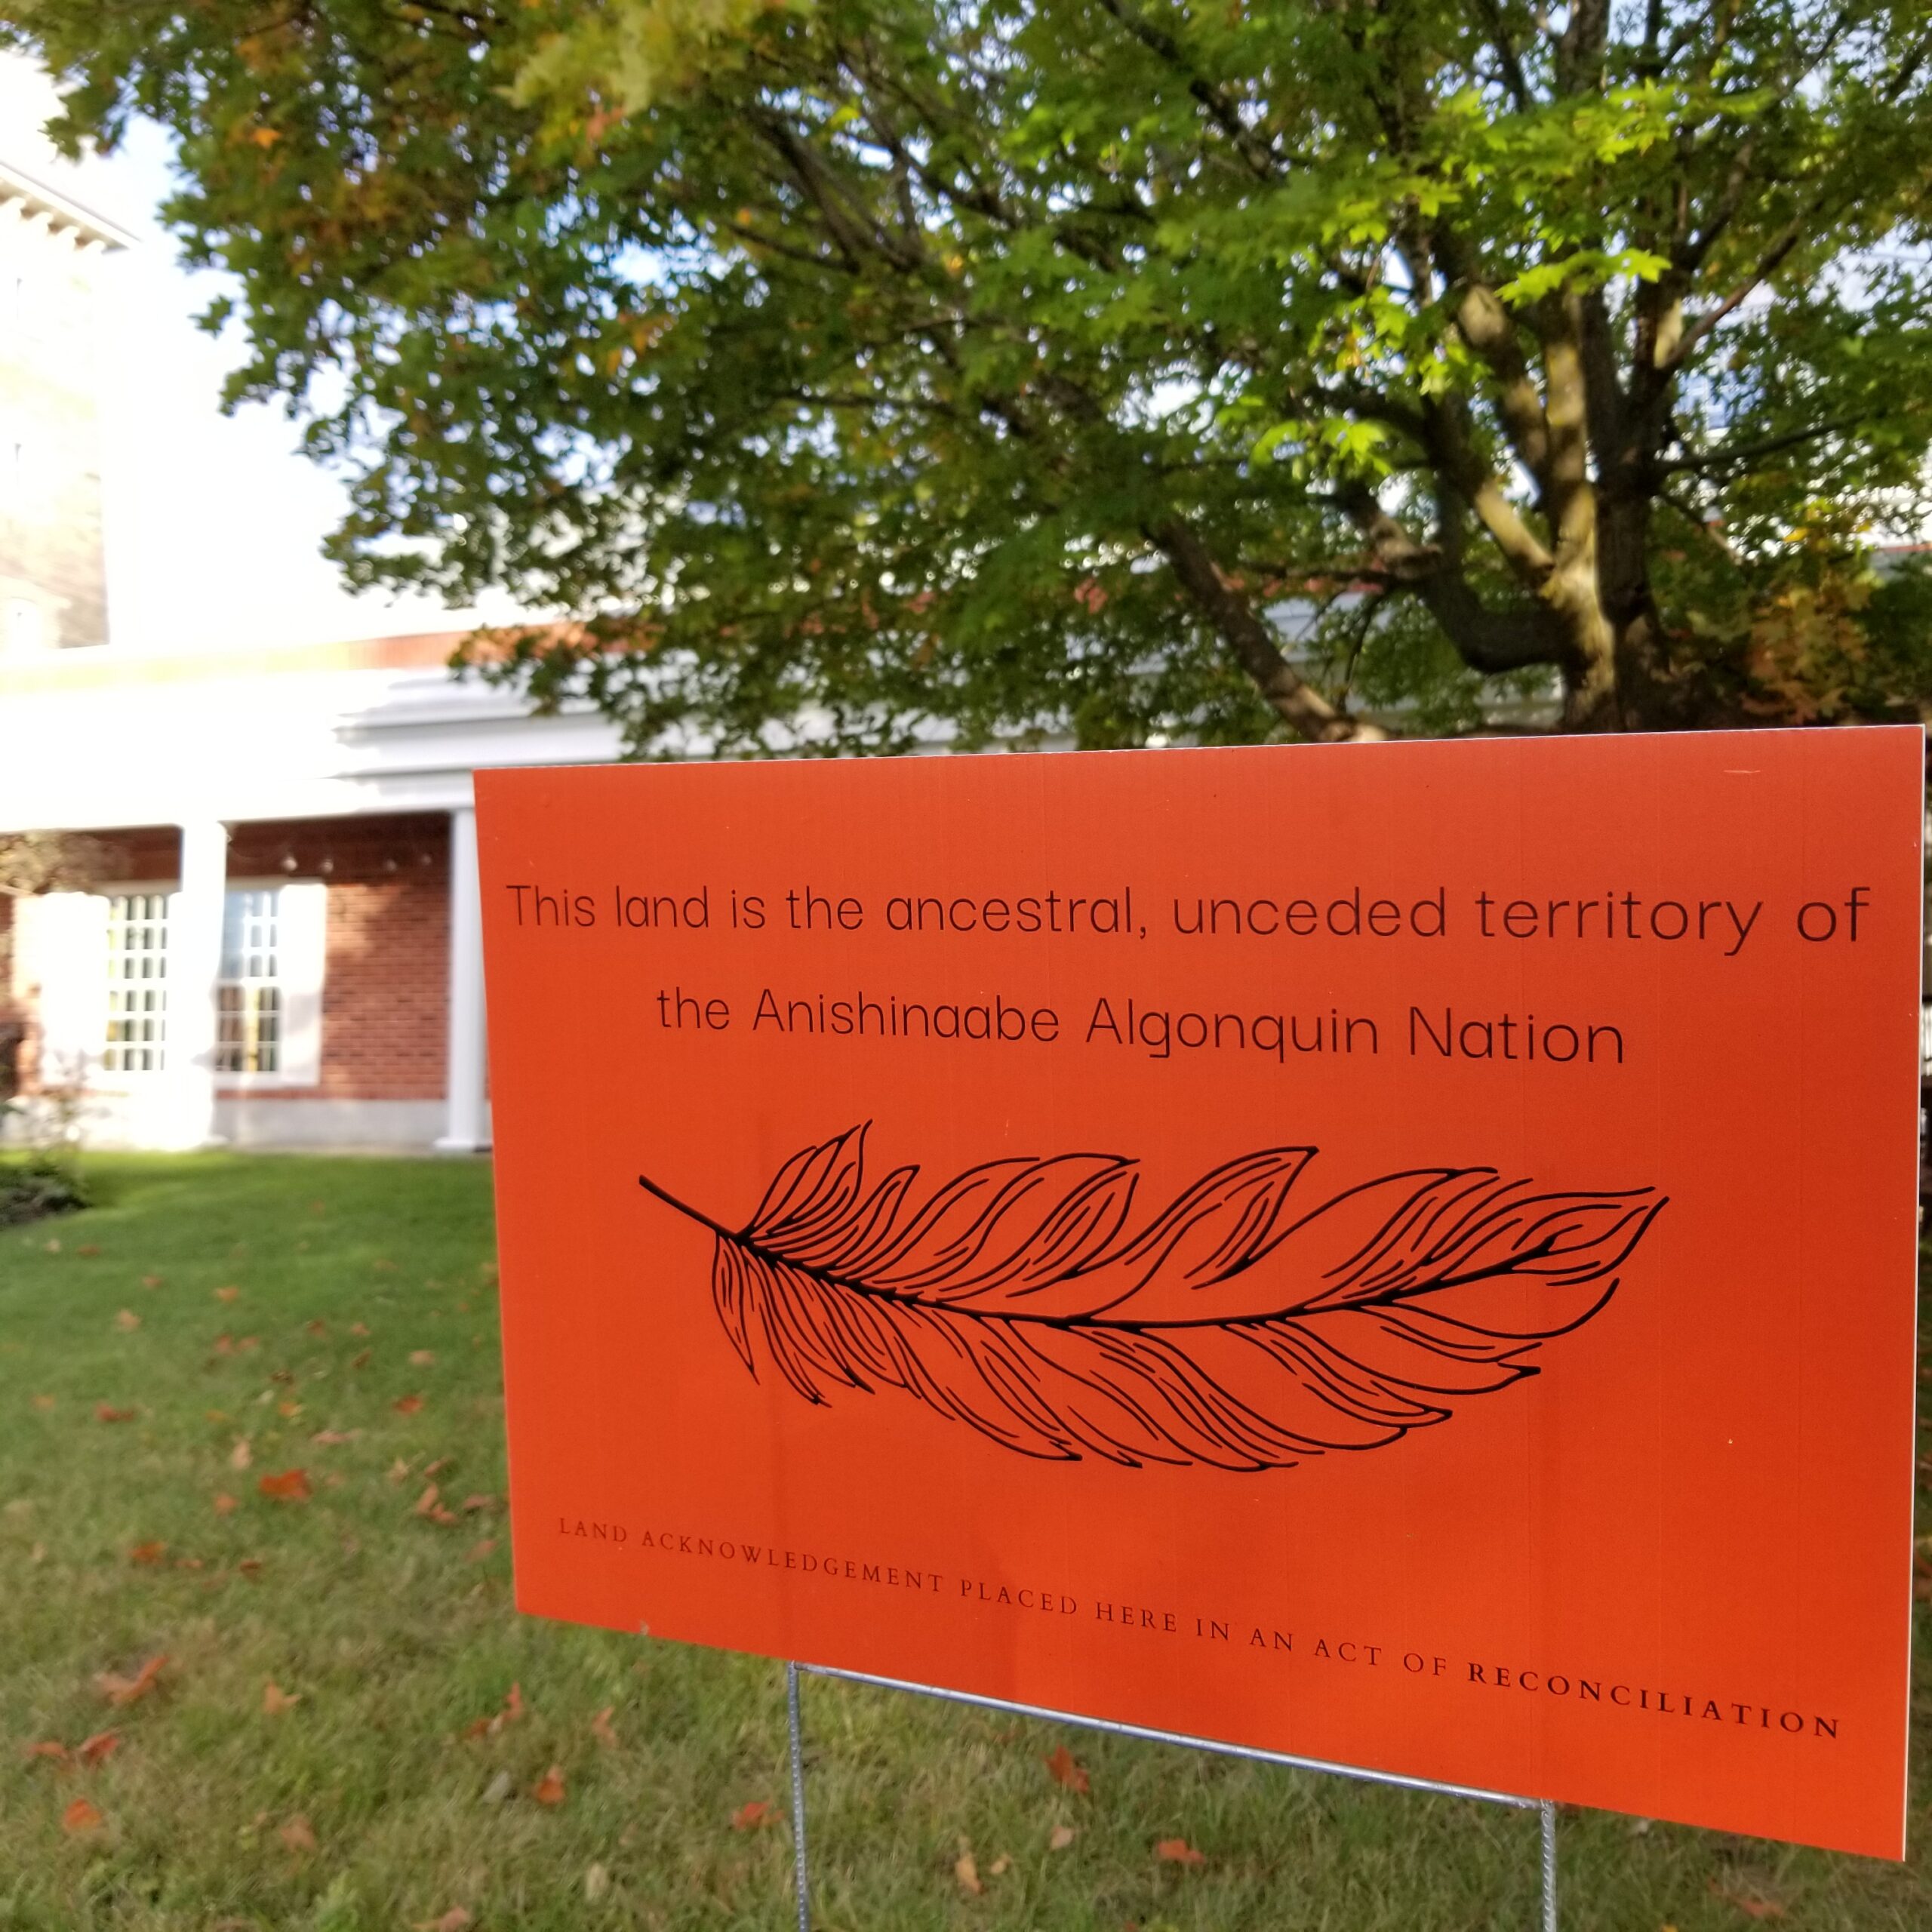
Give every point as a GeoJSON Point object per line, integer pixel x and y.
{"type": "Point", "coordinates": [42, 1184]}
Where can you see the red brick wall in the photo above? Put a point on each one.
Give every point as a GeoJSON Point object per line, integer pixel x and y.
{"type": "Point", "coordinates": [385, 979]}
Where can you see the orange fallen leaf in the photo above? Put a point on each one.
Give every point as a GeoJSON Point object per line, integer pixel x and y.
{"type": "Point", "coordinates": [1060, 1837]}
{"type": "Point", "coordinates": [513, 1704]}
{"type": "Point", "coordinates": [148, 1552]}
{"type": "Point", "coordinates": [421, 1357]}
{"type": "Point", "coordinates": [999, 1867]}
{"type": "Point", "coordinates": [967, 1874]}
{"type": "Point", "coordinates": [549, 1789]}
{"type": "Point", "coordinates": [334, 1439]}
{"type": "Point", "coordinates": [317, 1327]}
{"type": "Point", "coordinates": [478, 1551]}
{"type": "Point", "coordinates": [441, 1463]}
{"type": "Point", "coordinates": [285, 1376]}
{"type": "Point", "coordinates": [127, 1322]}
{"type": "Point", "coordinates": [426, 1503]}
{"type": "Point", "coordinates": [361, 1328]}
{"type": "Point", "coordinates": [290, 1486]}
{"type": "Point", "coordinates": [455, 1920]}
{"type": "Point", "coordinates": [1178, 1851]}
{"type": "Point", "coordinates": [406, 1405]}
{"type": "Point", "coordinates": [106, 1412]}
{"type": "Point", "coordinates": [224, 1345]}
{"type": "Point", "coordinates": [150, 1281]}
{"type": "Point", "coordinates": [225, 1505]}
{"type": "Point", "coordinates": [98, 1748]}
{"type": "Point", "coordinates": [83, 1815]}
{"type": "Point", "coordinates": [123, 1690]}
{"type": "Point", "coordinates": [188, 1563]}
{"type": "Point", "coordinates": [226, 1294]}
{"type": "Point", "coordinates": [43, 1403]}
{"type": "Point", "coordinates": [297, 1833]}
{"type": "Point", "coordinates": [600, 1728]}
{"type": "Point", "coordinates": [275, 1701]}
{"type": "Point", "coordinates": [1065, 1769]}
{"type": "Point", "coordinates": [241, 1455]}
{"type": "Point", "coordinates": [749, 1817]}
{"type": "Point", "coordinates": [88, 1247]}
{"type": "Point", "coordinates": [50, 1747]}
{"type": "Point", "coordinates": [472, 1503]}
{"type": "Point", "coordinates": [288, 1411]}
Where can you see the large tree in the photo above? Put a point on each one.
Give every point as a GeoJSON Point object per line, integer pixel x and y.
{"type": "Point", "coordinates": [1018, 363]}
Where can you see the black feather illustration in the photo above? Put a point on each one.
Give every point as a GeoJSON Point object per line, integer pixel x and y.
{"type": "Point", "coordinates": [1026, 1299]}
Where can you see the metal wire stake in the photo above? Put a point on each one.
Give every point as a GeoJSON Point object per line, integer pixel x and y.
{"type": "Point", "coordinates": [1548, 1808]}
{"type": "Point", "coordinates": [798, 1800]}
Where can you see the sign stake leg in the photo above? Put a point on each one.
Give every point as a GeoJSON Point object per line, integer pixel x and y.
{"type": "Point", "coordinates": [1550, 1861]}
{"type": "Point", "coordinates": [798, 1803]}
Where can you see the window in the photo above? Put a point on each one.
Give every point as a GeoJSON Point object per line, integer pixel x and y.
{"type": "Point", "coordinates": [248, 1018]}
{"type": "Point", "coordinates": [136, 983]}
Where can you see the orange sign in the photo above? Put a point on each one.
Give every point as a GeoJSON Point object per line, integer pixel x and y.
{"type": "Point", "coordinates": [1402, 1254]}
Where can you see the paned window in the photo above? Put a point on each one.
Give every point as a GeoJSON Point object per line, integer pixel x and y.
{"type": "Point", "coordinates": [136, 983]}
{"type": "Point", "coordinates": [248, 1037]}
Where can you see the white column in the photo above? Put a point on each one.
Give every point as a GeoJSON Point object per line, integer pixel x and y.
{"type": "Point", "coordinates": [194, 969]}
{"type": "Point", "coordinates": [464, 1131]}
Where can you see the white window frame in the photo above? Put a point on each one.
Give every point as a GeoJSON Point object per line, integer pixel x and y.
{"type": "Point", "coordinates": [301, 944]}
{"type": "Point", "coordinates": [119, 1079]}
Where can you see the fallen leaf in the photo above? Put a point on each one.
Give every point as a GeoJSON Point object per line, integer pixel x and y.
{"type": "Point", "coordinates": [1753, 1905]}
{"type": "Point", "coordinates": [513, 1704]}
{"type": "Point", "coordinates": [749, 1817]}
{"type": "Point", "coordinates": [427, 1504]}
{"type": "Point", "coordinates": [147, 1552]}
{"type": "Point", "coordinates": [998, 1867]}
{"type": "Point", "coordinates": [52, 1246]}
{"type": "Point", "coordinates": [478, 1551]}
{"type": "Point", "coordinates": [150, 1281]}
{"type": "Point", "coordinates": [98, 1748]}
{"type": "Point", "coordinates": [284, 1376]}
{"type": "Point", "coordinates": [225, 1504]}
{"type": "Point", "coordinates": [288, 1411]}
{"type": "Point", "coordinates": [334, 1439]}
{"type": "Point", "coordinates": [250, 1566]}
{"type": "Point", "coordinates": [224, 1345]}
{"type": "Point", "coordinates": [83, 1815]}
{"type": "Point", "coordinates": [43, 1403]}
{"type": "Point", "coordinates": [317, 1327]}
{"type": "Point", "coordinates": [1178, 1851]}
{"type": "Point", "coordinates": [1060, 1837]}
{"type": "Point", "coordinates": [275, 1701]}
{"type": "Point", "coordinates": [455, 1920]}
{"type": "Point", "coordinates": [127, 1322]}
{"type": "Point", "coordinates": [600, 1728]}
{"type": "Point", "coordinates": [398, 1470]}
{"type": "Point", "coordinates": [441, 1463]}
{"type": "Point", "coordinates": [406, 1405]}
{"type": "Point", "coordinates": [290, 1486]}
{"type": "Point", "coordinates": [1065, 1769]}
{"type": "Point", "coordinates": [226, 1294]}
{"type": "Point", "coordinates": [967, 1874]}
{"type": "Point", "coordinates": [549, 1789]}
{"type": "Point", "coordinates": [123, 1690]}
{"type": "Point", "coordinates": [249, 1344]}
{"type": "Point", "coordinates": [50, 1747]}
{"type": "Point", "coordinates": [188, 1563]}
{"type": "Point", "coordinates": [104, 1412]}
{"type": "Point", "coordinates": [500, 1789]}
{"type": "Point", "coordinates": [359, 1328]}
{"type": "Point", "coordinates": [596, 1882]}
{"type": "Point", "coordinates": [421, 1357]}
{"type": "Point", "coordinates": [362, 1359]}
{"type": "Point", "coordinates": [297, 1833]}
{"type": "Point", "coordinates": [241, 1455]}
{"type": "Point", "coordinates": [472, 1503]}
{"type": "Point", "coordinates": [89, 1248]}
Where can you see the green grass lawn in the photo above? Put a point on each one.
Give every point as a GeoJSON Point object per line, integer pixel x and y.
{"type": "Point", "coordinates": [259, 1315]}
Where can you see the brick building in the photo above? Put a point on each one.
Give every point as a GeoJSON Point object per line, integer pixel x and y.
{"type": "Point", "coordinates": [278, 944]}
